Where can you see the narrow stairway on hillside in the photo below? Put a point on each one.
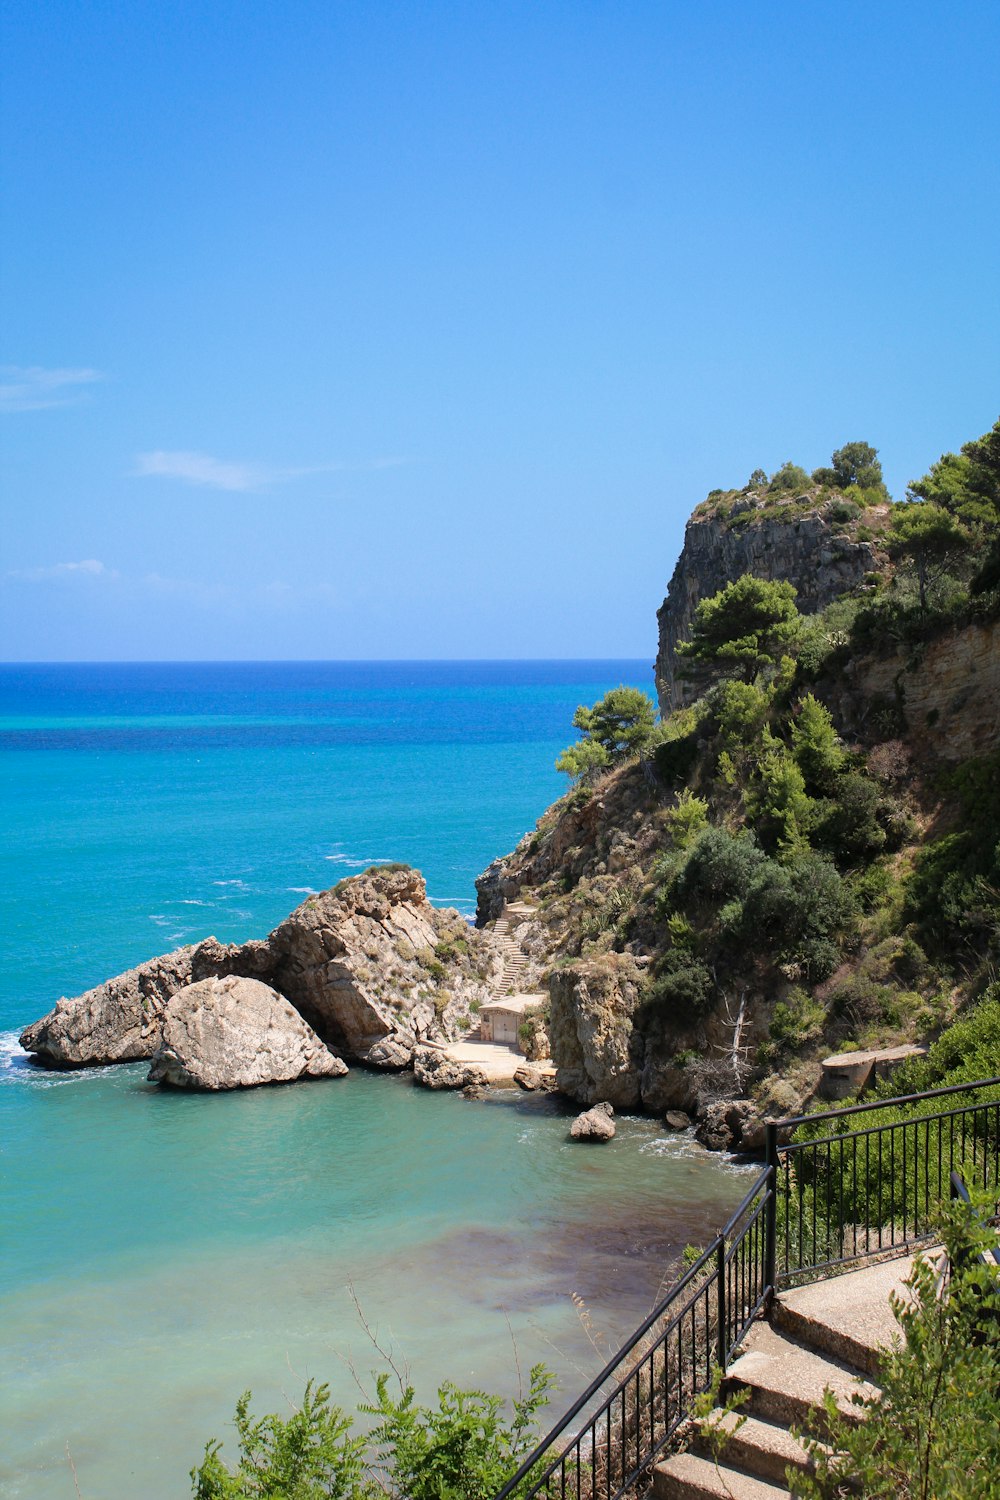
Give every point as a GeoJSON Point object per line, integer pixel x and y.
{"type": "Point", "coordinates": [826, 1335]}
{"type": "Point", "coordinates": [516, 963]}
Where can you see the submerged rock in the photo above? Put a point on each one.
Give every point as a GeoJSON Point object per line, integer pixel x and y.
{"type": "Point", "coordinates": [532, 1078]}
{"type": "Point", "coordinates": [595, 1124]}
{"type": "Point", "coordinates": [391, 1055]}
{"type": "Point", "coordinates": [235, 1033]}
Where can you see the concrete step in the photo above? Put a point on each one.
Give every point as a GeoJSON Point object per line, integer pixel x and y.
{"type": "Point", "coordinates": [847, 1317]}
{"type": "Point", "coordinates": [686, 1476]}
{"type": "Point", "coordinates": [760, 1448]}
{"type": "Point", "coordinates": [787, 1381]}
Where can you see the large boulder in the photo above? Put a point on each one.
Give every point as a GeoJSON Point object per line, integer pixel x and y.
{"type": "Point", "coordinates": [235, 1033]}
{"type": "Point", "coordinates": [372, 961]}
{"type": "Point", "coordinates": [371, 965]}
{"type": "Point", "coordinates": [595, 1124]}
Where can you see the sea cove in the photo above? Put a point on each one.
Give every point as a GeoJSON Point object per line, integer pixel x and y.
{"type": "Point", "coordinates": [162, 1253]}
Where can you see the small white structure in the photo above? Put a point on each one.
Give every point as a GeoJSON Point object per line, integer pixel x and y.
{"type": "Point", "coordinates": [499, 1019]}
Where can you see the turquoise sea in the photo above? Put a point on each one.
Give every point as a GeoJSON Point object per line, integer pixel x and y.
{"type": "Point", "coordinates": [160, 1253]}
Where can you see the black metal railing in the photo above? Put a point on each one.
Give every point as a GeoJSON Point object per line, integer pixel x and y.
{"type": "Point", "coordinates": [861, 1181]}
{"type": "Point", "coordinates": [829, 1195]}
{"type": "Point", "coordinates": [612, 1433]}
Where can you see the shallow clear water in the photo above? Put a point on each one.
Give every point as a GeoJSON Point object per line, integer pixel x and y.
{"type": "Point", "coordinates": [163, 1252]}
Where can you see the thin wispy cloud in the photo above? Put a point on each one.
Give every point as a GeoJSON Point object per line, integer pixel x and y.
{"type": "Point", "coordinates": [31, 388]}
{"type": "Point", "coordinates": [237, 475]}
{"type": "Point", "coordinates": [201, 468]}
{"type": "Point", "coordinates": [88, 568]}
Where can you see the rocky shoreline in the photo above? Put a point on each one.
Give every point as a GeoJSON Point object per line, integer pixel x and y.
{"type": "Point", "coordinates": [367, 972]}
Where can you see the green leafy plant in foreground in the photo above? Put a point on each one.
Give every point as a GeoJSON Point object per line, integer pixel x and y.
{"type": "Point", "coordinates": [465, 1448]}
{"type": "Point", "coordinates": [310, 1455]}
{"type": "Point", "coordinates": [933, 1432]}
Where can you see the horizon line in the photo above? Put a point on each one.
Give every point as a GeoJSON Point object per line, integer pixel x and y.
{"type": "Point", "coordinates": [303, 661]}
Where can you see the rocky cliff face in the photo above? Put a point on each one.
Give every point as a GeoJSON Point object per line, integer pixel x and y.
{"type": "Point", "coordinates": [370, 965]}
{"type": "Point", "coordinates": [649, 1007]}
{"type": "Point", "coordinates": [795, 541]}
{"type": "Point", "coordinates": [944, 696]}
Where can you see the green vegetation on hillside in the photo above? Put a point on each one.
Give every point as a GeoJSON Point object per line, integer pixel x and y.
{"type": "Point", "coordinates": [840, 890]}
{"type": "Point", "coordinates": [614, 728]}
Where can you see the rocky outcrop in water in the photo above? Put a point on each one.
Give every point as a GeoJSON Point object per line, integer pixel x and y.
{"type": "Point", "coordinates": [236, 1033]}
{"type": "Point", "coordinates": [794, 541]}
{"type": "Point", "coordinates": [436, 1070]}
{"type": "Point", "coordinates": [370, 965]}
{"type": "Point", "coordinates": [120, 1021]}
{"type": "Point", "coordinates": [595, 1124]}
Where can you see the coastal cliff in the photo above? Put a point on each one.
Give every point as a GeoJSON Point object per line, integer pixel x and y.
{"type": "Point", "coordinates": [811, 540]}
{"type": "Point", "coordinates": [801, 857]}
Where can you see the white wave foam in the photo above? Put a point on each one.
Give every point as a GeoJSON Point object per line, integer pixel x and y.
{"type": "Point", "coordinates": [302, 890]}
{"type": "Point", "coordinates": [240, 885]}
{"type": "Point", "coordinates": [681, 1144]}
{"type": "Point", "coordinates": [190, 902]}
{"type": "Point", "coordinates": [160, 919]}
{"type": "Point", "coordinates": [358, 864]}
{"type": "Point", "coordinates": [12, 1054]}
{"type": "Point", "coordinates": [17, 1069]}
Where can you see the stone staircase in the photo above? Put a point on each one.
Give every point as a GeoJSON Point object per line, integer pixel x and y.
{"type": "Point", "coordinates": [515, 960]}
{"type": "Point", "coordinates": [827, 1335]}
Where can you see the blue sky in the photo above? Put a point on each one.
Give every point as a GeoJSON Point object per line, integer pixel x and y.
{"type": "Point", "coordinates": [385, 330]}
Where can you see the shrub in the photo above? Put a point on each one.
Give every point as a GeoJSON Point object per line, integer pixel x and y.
{"type": "Point", "coordinates": [795, 911]}
{"type": "Point", "coordinates": [932, 1432]}
{"type": "Point", "coordinates": [674, 758]}
{"type": "Point", "coordinates": [848, 822]}
{"type": "Point", "coordinates": [310, 1455]}
{"type": "Point", "coordinates": [682, 990]}
{"type": "Point", "coordinates": [789, 479]}
{"type": "Point", "coordinates": [616, 726]}
{"type": "Point", "coordinates": [795, 1021]}
{"type": "Point", "coordinates": [815, 744]}
{"type": "Point", "coordinates": [778, 806]}
{"type": "Point", "coordinates": [686, 819]}
{"type": "Point", "coordinates": [954, 891]}
{"type": "Point", "coordinates": [739, 711]}
{"type": "Point", "coordinates": [718, 867]}
{"type": "Point", "coordinates": [464, 1447]}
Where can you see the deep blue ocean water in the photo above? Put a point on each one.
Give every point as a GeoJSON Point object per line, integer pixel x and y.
{"type": "Point", "coordinates": [161, 1252]}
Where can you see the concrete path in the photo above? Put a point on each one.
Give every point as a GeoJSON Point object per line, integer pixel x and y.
{"type": "Point", "coordinates": [828, 1335]}
{"type": "Point", "coordinates": [498, 1062]}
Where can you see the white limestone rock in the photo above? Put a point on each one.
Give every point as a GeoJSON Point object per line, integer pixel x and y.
{"type": "Point", "coordinates": [237, 1033]}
